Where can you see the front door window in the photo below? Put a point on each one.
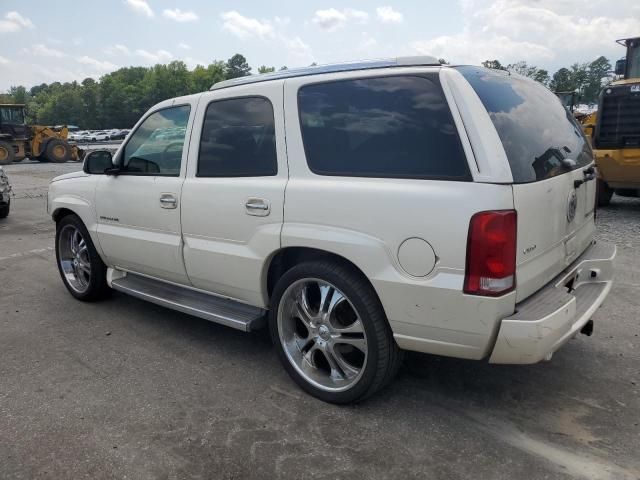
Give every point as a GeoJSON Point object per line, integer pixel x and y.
{"type": "Point", "coordinates": [156, 146]}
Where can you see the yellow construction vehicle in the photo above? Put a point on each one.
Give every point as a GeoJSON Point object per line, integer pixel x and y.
{"type": "Point", "coordinates": [616, 132]}
{"type": "Point", "coordinates": [19, 140]}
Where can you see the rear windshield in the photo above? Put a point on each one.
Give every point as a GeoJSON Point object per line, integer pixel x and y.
{"type": "Point", "coordinates": [540, 136]}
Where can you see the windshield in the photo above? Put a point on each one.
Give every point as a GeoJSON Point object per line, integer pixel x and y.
{"type": "Point", "coordinates": [540, 136]}
{"type": "Point", "coordinates": [12, 115]}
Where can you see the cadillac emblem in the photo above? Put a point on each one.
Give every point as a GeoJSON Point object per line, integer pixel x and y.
{"type": "Point", "coordinates": [572, 205]}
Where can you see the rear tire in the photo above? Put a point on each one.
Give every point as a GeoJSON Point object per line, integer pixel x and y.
{"type": "Point", "coordinates": [604, 193]}
{"type": "Point", "coordinates": [343, 350]}
{"type": "Point", "coordinates": [58, 151]}
{"type": "Point", "coordinates": [4, 209]}
{"type": "Point", "coordinates": [7, 153]}
{"type": "Point", "coordinates": [82, 270]}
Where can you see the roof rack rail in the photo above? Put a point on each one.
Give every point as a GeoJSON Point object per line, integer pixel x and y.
{"type": "Point", "coordinates": [419, 60]}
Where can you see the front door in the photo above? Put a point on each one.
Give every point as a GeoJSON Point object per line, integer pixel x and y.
{"type": "Point", "coordinates": [138, 210]}
{"type": "Point", "coordinates": [233, 195]}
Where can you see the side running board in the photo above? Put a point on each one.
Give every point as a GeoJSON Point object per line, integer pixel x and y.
{"type": "Point", "coordinates": [215, 309]}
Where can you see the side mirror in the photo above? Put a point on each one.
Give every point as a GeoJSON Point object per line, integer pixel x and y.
{"type": "Point", "coordinates": [97, 162]}
{"type": "Point", "coordinates": [621, 66]}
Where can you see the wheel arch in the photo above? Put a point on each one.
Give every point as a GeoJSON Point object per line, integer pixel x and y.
{"type": "Point", "coordinates": [286, 258]}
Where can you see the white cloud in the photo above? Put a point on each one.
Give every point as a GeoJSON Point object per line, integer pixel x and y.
{"type": "Point", "coordinates": [14, 22]}
{"type": "Point", "coordinates": [42, 50]}
{"type": "Point", "coordinates": [331, 19]}
{"type": "Point", "coordinates": [184, 46]}
{"type": "Point", "coordinates": [298, 49]}
{"type": "Point", "coordinates": [271, 31]}
{"type": "Point", "coordinates": [97, 64]}
{"type": "Point", "coordinates": [389, 15]}
{"type": "Point", "coordinates": [367, 42]}
{"type": "Point", "coordinates": [159, 56]}
{"type": "Point", "coordinates": [547, 32]}
{"type": "Point", "coordinates": [194, 62]}
{"type": "Point", "coordinates": [117, 49]}
{"type": "Point", "coordinates": [245, 27]}
{"type": "Point", "coordinates": [140, 6]}
{"type": "Point", "coordinates": [3, 61]}
{"type": "Point", "coordinates": [180, 16]}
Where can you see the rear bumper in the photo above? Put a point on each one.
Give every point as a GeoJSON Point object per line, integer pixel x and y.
{"type": "Point", "coordinates": [549, 318]}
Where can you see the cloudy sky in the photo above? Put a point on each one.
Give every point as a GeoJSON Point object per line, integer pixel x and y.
{"type": "Point", "coordinates": [72, 40]}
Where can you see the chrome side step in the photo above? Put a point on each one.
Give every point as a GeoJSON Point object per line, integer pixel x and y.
{"type": "Point", "coordinates": [215, 309]}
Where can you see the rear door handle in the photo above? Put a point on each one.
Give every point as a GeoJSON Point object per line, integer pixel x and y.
{"type": "Point", "coordinates": [258, 207]}
{"type": "Point", "coordinates": [168, 200]}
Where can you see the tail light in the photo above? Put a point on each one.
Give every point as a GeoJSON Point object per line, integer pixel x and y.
{"type": "Point", "coordinates": [491, 253]}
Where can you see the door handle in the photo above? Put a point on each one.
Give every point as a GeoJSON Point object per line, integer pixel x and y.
{"type": "Point", "coordinates": [257, 206]}
{"type": "Point", "coordinates": [168, 200]}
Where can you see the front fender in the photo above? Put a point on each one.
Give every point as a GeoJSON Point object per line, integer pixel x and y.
{"type": "Point", "coordinates": [76, 195]}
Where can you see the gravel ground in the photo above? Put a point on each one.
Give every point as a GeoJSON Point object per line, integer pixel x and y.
{"type": "Point", "coordinates": [125, 389]}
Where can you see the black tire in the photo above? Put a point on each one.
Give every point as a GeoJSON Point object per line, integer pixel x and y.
{"type": "Point", "coordinates": [604, 193]}
{"type": "Point", "coordinates": [383, 354]}
{"type": "Point", "coordinates": [58, 151]}
{"type": "Point", "coordinates": [7, 153]}
{"type": "Point", "coordinates": [4, 209]}
{"type": "Point", "coordinates": [97, 288]}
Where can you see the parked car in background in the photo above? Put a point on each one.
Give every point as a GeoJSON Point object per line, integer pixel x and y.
{"type": "Point", "coordinates": [364, 209]}
{"type": "Point", "coordinates": [5, 194]}
{"type": "Point", "coordinates": [119, 135]}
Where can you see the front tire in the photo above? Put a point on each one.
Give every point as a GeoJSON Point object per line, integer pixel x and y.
{"type": "Point", "coordinates": [82, 270]}
{"type": "Point", "coordinates": [58, 151]}
{"type": "Point", "coordinates": [331, 333]}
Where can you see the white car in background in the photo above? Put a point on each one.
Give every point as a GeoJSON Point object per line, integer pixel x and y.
{"type": "Point", "coordinates": [364, 209]}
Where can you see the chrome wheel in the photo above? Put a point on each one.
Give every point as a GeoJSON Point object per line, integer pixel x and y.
{"type": "Point", "coordinates": [322, 334]}
{"type": "Point", "coordinates": [73, 255]}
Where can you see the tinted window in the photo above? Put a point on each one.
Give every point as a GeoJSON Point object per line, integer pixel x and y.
{"type": "Point", "coordinates": [238, 139]}
{"type": "Point", "coordinates": [540, 136]}
{"type": "Point", "coordinates": [155, 148]}
{"type": "Point", "coordinates": [381, 127]}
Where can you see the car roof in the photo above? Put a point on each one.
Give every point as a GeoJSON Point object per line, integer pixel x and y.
{"type": "Point", "coordinates": [420, 60]}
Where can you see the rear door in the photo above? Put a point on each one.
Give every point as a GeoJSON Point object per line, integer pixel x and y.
{"type": "Point", "coordinates": [550, 160]}
{"type": "Point", "coordinates": [233, 196]}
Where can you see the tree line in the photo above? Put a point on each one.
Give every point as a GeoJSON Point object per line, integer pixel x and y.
{"type": "Point", "coordinates": [118, 99]}
{"type": "Point", "coordinates": [584, 78]}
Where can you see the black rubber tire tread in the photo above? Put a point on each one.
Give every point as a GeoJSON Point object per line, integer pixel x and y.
{"type": "Point", "coordinates": [98, 288]}
{"type": "Point", "coordinates": [51, 144]}
{"type": "Point", "coordinates": [384, 359]}
{"type": "Point", "coordinates": [604, 193]}
{"type": "Point", "coordinates": [11, 153]}
{"type": "Point", "coordinates": [4, 209]}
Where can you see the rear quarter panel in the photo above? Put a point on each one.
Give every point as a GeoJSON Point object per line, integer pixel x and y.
{"type": "Point", "coordinates": [367, 219]}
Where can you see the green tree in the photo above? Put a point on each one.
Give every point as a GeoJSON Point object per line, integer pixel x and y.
{"type": "Point", "coordinates": [597, 76]}
{"type": "Point", "coordinates": [237, 66]}
{"type": "Point", "coordinates": [537, 74]}
{"type": "Point", "coordinates": [562, 81]}
{"type": "Point", "coordinates": [265, 69]}
{"type": "Point", "coordinates": [494, 64]}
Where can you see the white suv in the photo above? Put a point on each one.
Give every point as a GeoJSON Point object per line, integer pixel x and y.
{"type": "Point", "coordinates": [362, 209]}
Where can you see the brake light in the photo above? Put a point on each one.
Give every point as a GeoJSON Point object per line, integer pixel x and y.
{"type": "Point", "coordinates": [491, 253]}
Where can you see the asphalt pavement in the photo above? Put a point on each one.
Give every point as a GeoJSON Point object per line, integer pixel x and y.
{"type": "Point", "coordinates": [127, 389]}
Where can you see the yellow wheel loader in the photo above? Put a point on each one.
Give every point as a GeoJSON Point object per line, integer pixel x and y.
{"type": "Point", "coordinates": [616, 130]}
{"type": "Point", "coordinates": [19, 140]}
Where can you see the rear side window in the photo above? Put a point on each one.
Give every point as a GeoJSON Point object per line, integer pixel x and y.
{"type": "Point", "coordinates": [395, 127]}
{"type": "Point", "coordinates": [540, 136]}
{"type": "Point", "coordinates": [238, 139]}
